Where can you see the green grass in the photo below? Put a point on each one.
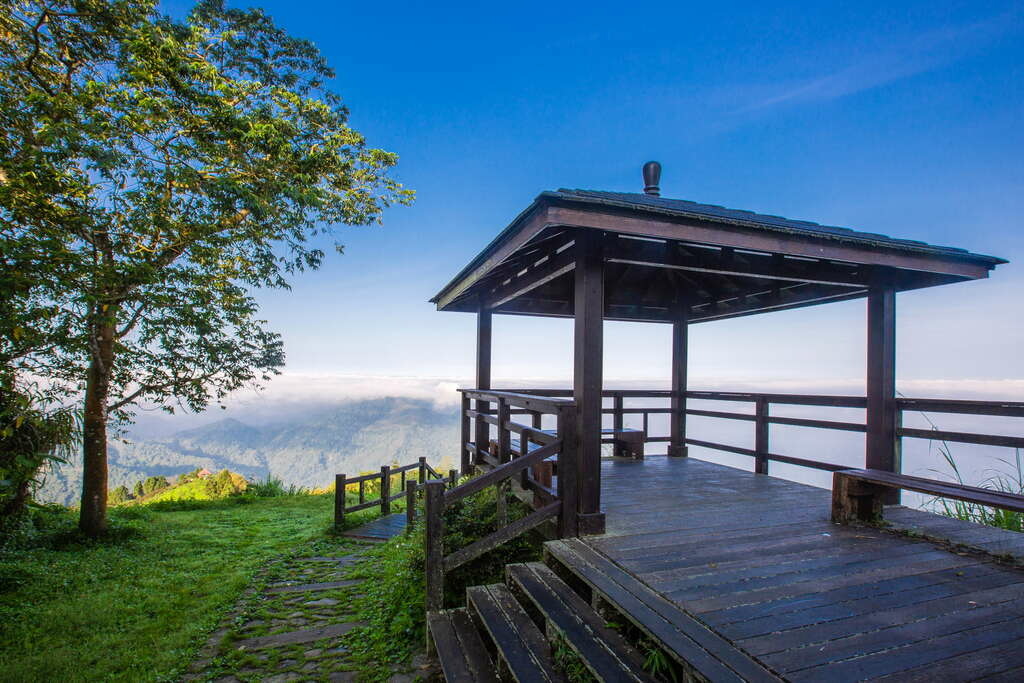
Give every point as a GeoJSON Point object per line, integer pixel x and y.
{"type": "Point", "coordinates": [137, 605]}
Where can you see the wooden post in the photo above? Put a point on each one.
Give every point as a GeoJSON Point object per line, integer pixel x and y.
{"type": "Point", "coordinates": [881, 452]}
{"type": "Point", "coordinates": [464, 460]}
{"type": "Point", "coordinates": [504, 436]}
{"type": "Point", "coordinates": [616, 423]}
{"type": "Point", "coordinates": [501, 502]}
{"type": "Point", "coordinates": [423, 464]}
{"type": "Point", "coordinates": [453, 478]}
{"type": "Point", "coordinates": [385, 490]}
{"type": "Point", "coordinates": [680, 348]}
{"type": "Point", "coordinates": [362, 491]}
{"type": "Point", "coordinates": [483, 377]}
{"type": "Point", "coordinates": [339, 500]}
{"type": "Point", "coordinates": [410, 505]}
{"type": "Point", "coordinates": [587, 377]}
{"type": "Point", "coordinates": [434, 544]}
{"type": "Point", "coordinates": [568, 525]}
{"type": "Point", "coordinates": [761, 428]}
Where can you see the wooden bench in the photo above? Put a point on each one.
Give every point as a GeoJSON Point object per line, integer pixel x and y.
{"type": "Point", "coordinates": [627, 442]}
{"type": "Point", "coordinates": [857, 495]}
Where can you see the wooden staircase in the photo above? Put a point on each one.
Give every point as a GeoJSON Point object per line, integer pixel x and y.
{"type": "Point", "coordinates": [505, 631]}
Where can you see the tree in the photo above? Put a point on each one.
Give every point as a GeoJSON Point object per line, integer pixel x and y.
{"type": "Point", "coordinates": [153, 484]}
{"type": "Point", "coordinates": [139, 490]}
{"type": "Point", "coordinates": [119, 495]}
{"type": "Point", "coordinates": [186, 163]}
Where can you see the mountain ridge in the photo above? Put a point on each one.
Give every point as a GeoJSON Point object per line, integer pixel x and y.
{"type": "Point", "coordinates": [336, 438]}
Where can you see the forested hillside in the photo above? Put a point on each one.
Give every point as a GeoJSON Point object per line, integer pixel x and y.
{"type": "Point", "coordinates": [306, 451]}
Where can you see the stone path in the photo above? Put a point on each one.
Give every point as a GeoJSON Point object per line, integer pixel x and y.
{"type": "Point", "coordinates": [289, 625]}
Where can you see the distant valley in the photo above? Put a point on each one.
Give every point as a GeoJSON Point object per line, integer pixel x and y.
{"type": "Point", "coordinates": [306, 449]}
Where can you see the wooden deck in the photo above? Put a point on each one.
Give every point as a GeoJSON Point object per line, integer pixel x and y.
{"type": "Point", "coordinates": [758, 561]}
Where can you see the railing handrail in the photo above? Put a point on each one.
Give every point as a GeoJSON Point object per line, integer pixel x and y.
{"type": "Point", "coordinates": [522, 400]}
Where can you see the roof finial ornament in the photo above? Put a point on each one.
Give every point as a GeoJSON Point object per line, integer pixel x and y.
{"type": "Point", "coordinates": [652, 176]}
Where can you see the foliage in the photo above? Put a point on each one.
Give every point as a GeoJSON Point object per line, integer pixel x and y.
{"type": "Point", "coordinates": [119, 495]}
{"type": "Point", "coordinates": [153, 484]}
{"type": "Point", "coordinates": [30, 440]}
{"type": "Point", "coordinates": [394, 603]}
{"type": "Point", "coordinates": [159, 170]}
{"type": "Point", "coordinates": [569, 662]}
{"type": "Point", "coordinates": [137, 604]}
{"type": "Point", "coordinates": [271, 487]}
{"type": "Point", "coordinates": [1010, 480]}
{"type": "Point", "coordinates": [471, 519]}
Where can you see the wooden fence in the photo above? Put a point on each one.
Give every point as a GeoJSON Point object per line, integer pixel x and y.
{"type": "Point", "coordinates": [762, 418]}
{"type": "Point", "coordinates": [522, 466]}
{"type": "Point", "coordinates": [384, 480]}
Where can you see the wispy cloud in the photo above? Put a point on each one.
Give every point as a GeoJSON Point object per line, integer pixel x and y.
{"type": "Point", "coordinates": [901, 59]}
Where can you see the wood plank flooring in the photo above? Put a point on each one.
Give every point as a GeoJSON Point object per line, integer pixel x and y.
{"type": "Point", "coordinates": [757, 560]}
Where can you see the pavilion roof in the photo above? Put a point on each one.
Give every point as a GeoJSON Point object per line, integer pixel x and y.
{"type": "Point", "coordinates": [723, 262]}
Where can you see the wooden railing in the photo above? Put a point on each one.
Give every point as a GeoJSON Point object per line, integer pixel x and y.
{"type": "Point", "coordinates": [524, 471]}
{"type": "Point", "coordinates": [762, 418]}
{"type": "Point", "coordinates": [383, 479]}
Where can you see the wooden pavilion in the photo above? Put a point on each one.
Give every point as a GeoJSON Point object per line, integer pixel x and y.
{"type": "Point", "coordinates": [731, 575]}
{"type": "Point", "coordinates": [595, 256]}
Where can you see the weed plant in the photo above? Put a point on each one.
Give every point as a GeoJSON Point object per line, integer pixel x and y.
{"type": "Point", "coordinates": [1008, 477]}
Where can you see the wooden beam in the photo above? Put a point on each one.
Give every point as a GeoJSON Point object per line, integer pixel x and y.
{"type": "Point", "coordinates": [881, 448]}
{"type": "Point", "coordinates": [588, 377]}
{"type": "Point", "coordinates": [755, 238]}
{"type": "Point", "coordinates": [726, 261]}
{"type": "Point", "coordinates": [555, 265]}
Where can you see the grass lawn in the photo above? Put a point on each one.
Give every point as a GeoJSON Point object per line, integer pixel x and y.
{"type": "Point", "coordinates": [137, 606]}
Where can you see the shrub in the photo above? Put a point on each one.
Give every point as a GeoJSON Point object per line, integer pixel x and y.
{"type": "Point", "coordinates": [119, 495]}
{"type": "Point", "coordinates": [272, 487]}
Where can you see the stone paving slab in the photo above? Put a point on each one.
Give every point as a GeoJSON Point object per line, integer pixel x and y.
{"type": "Point", "coordinates": [306, 587]}
{"type": "Point", "coordinates": [293, 637]}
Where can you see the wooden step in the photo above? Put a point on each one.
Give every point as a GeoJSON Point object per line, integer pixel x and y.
{"type": "Point", "coordinates": [691, 642]}
{"type": "Point", "coordinates": [523, 651]}
{"type": "Point", "coordinates": [459, 648]}
{"type": "Point", "coordinates": [604, 652]}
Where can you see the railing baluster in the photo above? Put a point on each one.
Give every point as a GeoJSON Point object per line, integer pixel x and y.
{"type": "Point", "coordinates": [385, 490]}
{"type": "Point", "coordinates": [434, 541]}
{"type": "Point", "coordinates": [464, 460]}
{"type": "Point", "coordinates": [410, 505]}
{"type": "Point", "coordinates": [339, 500]}
{"type": "Point", "coordinates": [617, 423]}
{"type": "Point", "coordinates": [761, 428]}
{"type": "Point", "coordinates": [504, 435]}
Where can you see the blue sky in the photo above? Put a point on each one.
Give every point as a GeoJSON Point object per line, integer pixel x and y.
{"type": "Point", "coordinates": [899, 118]}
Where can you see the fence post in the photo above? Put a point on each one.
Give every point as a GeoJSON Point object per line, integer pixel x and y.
{"type": "Point", "coordinates": [453, 478]}
{"type": "Point", "coordinates": [434, 545]}
{"type": "Point", "coordinates": [464, 460]}
{"type": "Point", "coordinates": [761, 427]}
{"type": "Point", "coordinates": [339, 500]}
{"type": "Point", "coordinates": [617, 424]}
{"type": "Point", "coordinates": [385, 490]}
{"type": "Point", "coordinates": [504, 436]}
{"type": "Point", "coordinates": [423, 467]}
{"type": "Point", "coordinates": [362, 491]}
{"type": "Point", "coordinates": [568, 475]}
{"type": "Point", "coordinates": [410, 505]}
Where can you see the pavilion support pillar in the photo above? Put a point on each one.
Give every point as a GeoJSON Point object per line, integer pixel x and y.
{"type": "Point", "coordinates": [481, 430]}
{"type": "Point", "coordinates": [882, 449]}
{"type": "Point", "coordinates": [680, 343]}
{"type": "Point", "coordinates": [588, 377]}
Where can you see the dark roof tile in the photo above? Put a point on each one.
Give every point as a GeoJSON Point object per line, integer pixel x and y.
{"type": "Point", "coordinates": [713, 212]}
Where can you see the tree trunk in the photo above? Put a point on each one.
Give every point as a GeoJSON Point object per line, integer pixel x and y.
{"type": "Point", "coordinates": [93, 516]}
